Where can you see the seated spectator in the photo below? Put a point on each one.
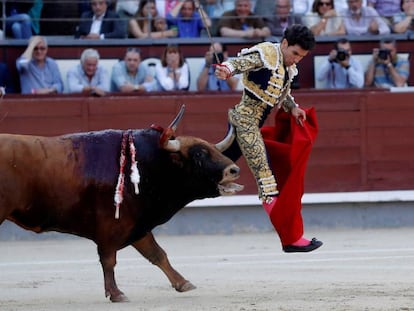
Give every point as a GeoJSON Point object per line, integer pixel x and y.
{"type": "Point", "coordinates": [324, 20]}
{"type": "Point", "coordinates": [141, 26]}
{"type": "Point", "coordinates": [6, 84]}
{"type": "Point", "coordinates": [282, 18]}
{"type": "Point", "coordinates": [100, 23]}
{"type": "Point", "coordinates": [130, 75]}
{"type": "Point", "coordinates": [39, 74]}
{"type": "Point", "coordinates": [341, 70]}
{"type": "Point", "coordinates": [207, 80]}
{"type": "Point", "coordinates": [386, 8]}
{"type": "Point", "coordinates": [173, 73]}
{"type": "Point", "coordinates": [387, 69]}
{"type": "Point", "coordinates": [361, 20]}
{"type": "Point", "coordinates": [404, 21]}
{"type": "Point", "coordinates": [22, 18]}
{"type": "Point", "coordinates": [242, 23]}
{"type": "Point", "coordinates": [88, 77]}
{"type": "Point", "coordinates": [188, 22]}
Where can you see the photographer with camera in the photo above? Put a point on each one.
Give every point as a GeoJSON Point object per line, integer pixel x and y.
{"type": "Point", "coordinates": [207, 80]}
{"type": "Point", "coordinates": [387, 69]}
{"type": "Point", "coordinates": [341, 70]}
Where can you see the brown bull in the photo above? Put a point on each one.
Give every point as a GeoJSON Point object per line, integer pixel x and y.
{"type": "Point", "coordinates": [68, 184]}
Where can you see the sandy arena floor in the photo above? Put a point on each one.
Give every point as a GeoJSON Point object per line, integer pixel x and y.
{"type": "Point", "coordinates": [355, 270]}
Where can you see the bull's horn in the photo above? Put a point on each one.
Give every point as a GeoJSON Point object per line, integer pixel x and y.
{"type": "Point", "coordinates": [173, 145]}
{"type": "Point", "coordinates": [177, 119]}
{"type": "Point", "coordinates": [228, 140]}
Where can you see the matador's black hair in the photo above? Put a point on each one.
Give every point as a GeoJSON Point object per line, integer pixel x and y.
{"type": "Point", "coordinates": [300, 35]}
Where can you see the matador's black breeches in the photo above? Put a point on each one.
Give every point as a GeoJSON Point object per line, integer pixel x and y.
{"type": "Point", "coordinates": [247, 117]}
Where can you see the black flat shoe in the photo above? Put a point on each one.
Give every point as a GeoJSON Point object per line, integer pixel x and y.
{"type": "Point", "coordinates": [314, 244]}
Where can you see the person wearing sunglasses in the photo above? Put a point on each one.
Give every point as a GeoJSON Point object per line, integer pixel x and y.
{"type": "Point", "coordinates": [39, 74]}
{"type": "Point", "coordinates": [324, 20]}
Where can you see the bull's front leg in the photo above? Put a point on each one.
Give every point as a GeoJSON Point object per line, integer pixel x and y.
{"type": "Point", "coordinates": [150, 249]}
{"type": "Point", "coordinates": [108, 262]}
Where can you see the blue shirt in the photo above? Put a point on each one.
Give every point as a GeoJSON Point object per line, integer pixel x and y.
{"type": "Point", "coordinates": [187, 28]}
{"type": "Point", "coordinates": [382, 75]}
{"type": "Point", "coordinates": [120, 77]}
{"type": "Point", "coordinates": [337, 77]}
{"type": "Point", "coordinates": [33, 77]}
{"type": "Point", "coordinates": [214, 84]}
{"type": "Point", "coordinates": [77, 79]}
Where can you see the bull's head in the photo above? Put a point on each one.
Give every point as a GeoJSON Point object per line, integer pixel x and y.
{"type": "Point", "coordinates": [203, 155]}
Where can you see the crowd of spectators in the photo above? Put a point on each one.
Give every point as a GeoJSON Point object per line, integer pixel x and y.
{"type": "Point", "coordinates": [252, 19]}
{"type": "Point", "coordinates": [100, 19]}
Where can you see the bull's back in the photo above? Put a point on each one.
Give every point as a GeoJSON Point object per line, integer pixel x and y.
{"type": "Point", "coordinates": [43, 180]}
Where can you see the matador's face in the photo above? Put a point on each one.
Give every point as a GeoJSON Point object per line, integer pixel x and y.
{"type": "Point", "coordinates": [292, 54]}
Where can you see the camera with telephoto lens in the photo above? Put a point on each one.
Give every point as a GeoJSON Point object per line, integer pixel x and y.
{"type": "Point", "coordinates": [341, 55]}
{"type": "Point", "coordinates": [383, 54]}
{"type": "Point", "coordinates": [220, 57]}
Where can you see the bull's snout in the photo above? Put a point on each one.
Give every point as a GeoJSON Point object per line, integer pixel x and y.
{"type": "Point", "coordinates": [227, 186]}
{"type": "Point", "coordinates": [231, 172]}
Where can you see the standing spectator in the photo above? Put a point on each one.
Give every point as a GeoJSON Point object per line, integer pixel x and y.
{"type": "Point", "coordinates": [100, 23]}
{"type": "Point", "coordinates": [207, 80]}
{"type": "Point", "coordinates": [242, 23]}
{"type": "Point", "coordinates": [386, 8]}
{"type": "Point", "coordinates": [361, 20]}
{"type": "Point", "coordinates": [387, 69]}
{"type": "Point", "coordinates": [324, 20]}
{"type": "Point", "coordinates": [130, 75]}
{"type": "Point", "coordinates": [341, 70]}
{"type": "Point", "coordinates": [22, 18]}
{"type": "Point", "coordinates": [172, 73]}
{"type": "Point", "coordinates": [404, 20]}
{"type": "Point", "coordinates": [282, 18]}
{"type": "Point", "coordinates": [39, 74]}
{"type": "Point", "coordinates": [147, 24]}
{"type": "Point", "coordinates": [6, 84]}
{"type": "Point", "coordinates": [188, 22]}
{"type": "Point", "coordinates": [88, 77]}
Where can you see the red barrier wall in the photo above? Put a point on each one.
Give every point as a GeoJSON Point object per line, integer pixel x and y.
{"type": "Point", "coordinates": [365, 140]}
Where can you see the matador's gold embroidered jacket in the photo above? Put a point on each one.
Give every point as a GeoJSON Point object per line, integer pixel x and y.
{"type": "Point", "coordinates": [264, 75]}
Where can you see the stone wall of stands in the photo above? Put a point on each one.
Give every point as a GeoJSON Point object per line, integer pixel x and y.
{"type": "Point", "coordinates": [365, 139]}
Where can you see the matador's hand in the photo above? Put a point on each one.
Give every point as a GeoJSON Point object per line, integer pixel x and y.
{"type": "Point", "coordinates": [222, 71]}
{"type": "Point", "coordinates": [299, 114]}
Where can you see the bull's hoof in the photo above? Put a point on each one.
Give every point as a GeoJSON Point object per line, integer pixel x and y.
{"type": "Point", "coordinates": [187, 286]}
{"type": "Point", "coordinates": [119, 298]}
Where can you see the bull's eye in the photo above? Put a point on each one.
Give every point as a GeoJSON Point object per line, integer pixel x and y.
{"type": "Point", "coordinates": [201, 154]}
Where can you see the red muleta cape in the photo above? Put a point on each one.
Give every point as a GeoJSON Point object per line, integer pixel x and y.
{"type": "Point", "coordinates": [288, 146]}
